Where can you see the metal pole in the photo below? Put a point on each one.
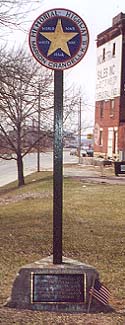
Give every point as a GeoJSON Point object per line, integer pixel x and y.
{"type": "Point", "coordinates": [58, 163]}
{"type": "Point", "coordinates": [38, 144]}
{"type": "Point", "coordinates": [79, 130]}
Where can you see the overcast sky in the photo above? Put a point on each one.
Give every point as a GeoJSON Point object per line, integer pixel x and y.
{"type": "Point", "coordinates": [97, 15]}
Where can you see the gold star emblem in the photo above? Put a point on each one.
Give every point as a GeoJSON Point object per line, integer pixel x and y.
{"type": "Point", "coordinates": [58, 39]}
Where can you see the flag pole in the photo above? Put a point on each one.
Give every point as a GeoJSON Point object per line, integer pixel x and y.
{"type": "Point", "coordinates": [90, 298]}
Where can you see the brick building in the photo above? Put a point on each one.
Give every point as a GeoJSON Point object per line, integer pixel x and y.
{"type": "Point", "coordinates": [109, 132]}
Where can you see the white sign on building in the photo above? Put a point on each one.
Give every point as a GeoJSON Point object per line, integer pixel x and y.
{"type": "Point", "coordinates": [109, 69]}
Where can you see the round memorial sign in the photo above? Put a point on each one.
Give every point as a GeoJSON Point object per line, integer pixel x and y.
{"type": "Point", "coordinates": [59, 39]}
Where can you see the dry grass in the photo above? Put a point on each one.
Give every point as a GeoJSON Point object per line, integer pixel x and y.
{"type": "Point", "coordinates": [93, 232]}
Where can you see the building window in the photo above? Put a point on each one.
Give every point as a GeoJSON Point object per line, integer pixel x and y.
{"type": "Point", "coordinates": [113, 50]}
{"type": "Point", "coordinates": [101, 109]}
{"type": "Point", "coordinates": [103, 55]}
{"type": "Point", "coordinates": [112, 107]}
{"type": "Point", "coordinates": [101, 138]}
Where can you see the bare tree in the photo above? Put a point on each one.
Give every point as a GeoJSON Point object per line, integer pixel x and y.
{"type": "Point", "coordinates": [14, 14]}
{"type": "Point", "coordinates": [22, 83]}
{"type": "Point", "coordinates": [20, 78]}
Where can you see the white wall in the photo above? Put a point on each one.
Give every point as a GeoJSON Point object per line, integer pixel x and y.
{"type": "Point", "coordinates": [108, 77]}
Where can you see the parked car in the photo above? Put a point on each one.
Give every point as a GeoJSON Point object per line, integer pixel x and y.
{"type": "Point", "coordinates": [83, 153]}
{"type": "Point", "coordinates": [89, 152]}
{"type": "Point", "coordinates": [73, 152]}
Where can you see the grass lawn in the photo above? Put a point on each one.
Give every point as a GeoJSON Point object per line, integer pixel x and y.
{"type": "Point", "coordinates": [93, 233]}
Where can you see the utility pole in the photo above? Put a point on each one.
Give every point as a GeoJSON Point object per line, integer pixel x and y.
{"type": "Point", "coordinates": [79, 131]}
{"type": "Point", "coordinates": [38, 133]}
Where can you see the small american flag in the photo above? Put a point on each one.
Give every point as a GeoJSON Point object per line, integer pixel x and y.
{"type": "Point", "coordinates": [100, 292]}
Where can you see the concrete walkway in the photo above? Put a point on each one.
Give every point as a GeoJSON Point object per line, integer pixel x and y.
{"type": "Point", "coordinates": [93, 175]}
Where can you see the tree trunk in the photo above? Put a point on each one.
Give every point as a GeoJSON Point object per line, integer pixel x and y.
{"type": "Point", "coordinates": [20, 170]}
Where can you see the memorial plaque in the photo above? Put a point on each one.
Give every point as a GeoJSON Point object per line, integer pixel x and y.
{"type": "Point", "coordinates": [58, 288]}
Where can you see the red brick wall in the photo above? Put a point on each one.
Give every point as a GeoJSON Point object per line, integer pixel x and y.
{"type": "Point", "coordinates": [105, 122]}
{"type": "Point", "coordinates": [121, 137]}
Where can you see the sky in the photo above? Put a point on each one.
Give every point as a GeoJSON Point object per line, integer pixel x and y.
{"type": "Point", "coordinates": [97, 15]}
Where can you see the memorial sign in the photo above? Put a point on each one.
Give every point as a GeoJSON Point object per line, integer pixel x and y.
{"type": "Point", "coordinates": [59, 288]}
{"type": "Point", "coordinates": [59, 39]}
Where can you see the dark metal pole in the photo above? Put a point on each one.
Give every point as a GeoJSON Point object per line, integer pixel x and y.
{"type": "Point", "coordinates": [58, 163]}
{"type": "Point", "coordinates": [79, 131]}
{"type": "Point", "coordinates": [38, 144]}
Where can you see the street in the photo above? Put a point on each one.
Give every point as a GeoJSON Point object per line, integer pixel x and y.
{"type": "Point", "coordinates": [8, 169]}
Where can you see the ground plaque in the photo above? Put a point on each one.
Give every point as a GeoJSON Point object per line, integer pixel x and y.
{"type": "Point", "coordinates": [44, 286]}
{"type": "Point", "coordinates": [58, 288]}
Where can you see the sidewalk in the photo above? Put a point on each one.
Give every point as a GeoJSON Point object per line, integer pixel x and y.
{"type": "Point", "coordinates": [94, 174]}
